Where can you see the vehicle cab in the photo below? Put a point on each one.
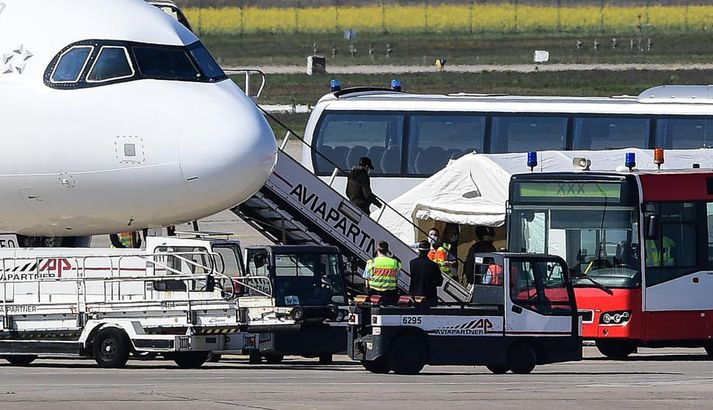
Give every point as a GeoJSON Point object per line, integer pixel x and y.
{"type": "Point", "coordinates": [307, 309]}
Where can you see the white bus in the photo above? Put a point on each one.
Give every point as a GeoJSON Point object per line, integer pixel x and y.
{"type": "Point", "coordinates": [409, 137]}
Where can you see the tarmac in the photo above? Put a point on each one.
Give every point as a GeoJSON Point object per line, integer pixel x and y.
{"type": "Point", "coordinates": [650, 379]}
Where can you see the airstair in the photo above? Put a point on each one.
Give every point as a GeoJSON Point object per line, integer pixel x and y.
{"type": "Point", "coordinates": [295, 207]}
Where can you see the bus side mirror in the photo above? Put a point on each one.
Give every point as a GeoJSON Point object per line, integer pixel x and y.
{"type": "Point", "coordinates": [652, 227]}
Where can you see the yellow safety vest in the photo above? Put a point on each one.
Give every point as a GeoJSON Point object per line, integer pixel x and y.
{"type": "Point", "coordinates": [383, 273]}
{"type": "Point", "coordinates": [653, 255]}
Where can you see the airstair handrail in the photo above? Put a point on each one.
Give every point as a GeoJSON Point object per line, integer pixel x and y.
{"type": "Point", "coordinates": [248, 72]}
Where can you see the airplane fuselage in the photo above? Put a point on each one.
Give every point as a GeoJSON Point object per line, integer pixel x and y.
{"type": "Point", "coordinates": [92, 155]}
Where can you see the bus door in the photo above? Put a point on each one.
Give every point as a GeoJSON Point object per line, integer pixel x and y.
{"type": "Point", "coordinates": [679, 283]}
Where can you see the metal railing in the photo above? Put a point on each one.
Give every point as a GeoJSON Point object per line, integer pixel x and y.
{"type": "Point", "coordinates": [248, 73]}
{"type": "Point", "coordinates": [42, 272]}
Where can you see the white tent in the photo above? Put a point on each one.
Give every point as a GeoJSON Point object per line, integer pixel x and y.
{"type": "Point", "coordinates": [472, 190]}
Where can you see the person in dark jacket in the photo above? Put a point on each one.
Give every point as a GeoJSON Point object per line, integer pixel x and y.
{"type": "Point", "coordinates": [359, 186]}
{"type": "Point", "coordinates": [485, 235]}
{"type": "Point", "coordinates": [425, 276]}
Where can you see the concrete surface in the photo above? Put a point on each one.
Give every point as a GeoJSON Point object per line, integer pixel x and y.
{"type": "Point", "coordinates": [652, 379]}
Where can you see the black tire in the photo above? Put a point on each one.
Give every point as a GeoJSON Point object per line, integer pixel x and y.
{"type": "Point", "coordinates": [20, 359]}
{"type": "Point", "coordinates": [254, 358]}
{"type": "Point", "coordinates": [326, 359]}
{"type": "Point", "coordinates": [616, 349]}
{"type": "Point", "coordinates": [407, 354]}
{"type": "Point", "coordinates": [521, 358]}
{"type": "Point", "coordinates": [111, 348]}
{"type": "Point", "coordinates": [214, 357]}
{"type": "Point", "coordinates": [274, 358]}
{"type": "Point", "coordinates": [190, 360]}
{"type": "Point", "coordinates": [498, 369]}
{"type": "Point", "coordinates": [377, 366]}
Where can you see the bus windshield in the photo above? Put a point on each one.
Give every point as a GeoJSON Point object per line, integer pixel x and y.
{"type": "Point", "coordinates": [600, 244]}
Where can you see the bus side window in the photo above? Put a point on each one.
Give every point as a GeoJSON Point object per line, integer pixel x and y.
{"type": "Point", "coordinates": [610, 133]}
{"type": "Point", "coordinates": [522, 134]}
{"type": "Point", "coordinates": [435, 139]}
{"type": "Point", "coordinates": [672, 253]}
{"type": "Point", "coordinates": [682, 133]}
{"type": "Point", "coordinates": [345, 137]}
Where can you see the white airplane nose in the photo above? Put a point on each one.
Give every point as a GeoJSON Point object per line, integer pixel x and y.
{"type": "Point", "coordinates": [227, 149]}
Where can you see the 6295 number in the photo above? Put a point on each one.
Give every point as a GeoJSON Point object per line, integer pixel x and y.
{"type": "Point", "coordinates": [411, 320]}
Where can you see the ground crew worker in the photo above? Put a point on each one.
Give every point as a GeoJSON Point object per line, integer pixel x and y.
{"type": "Point", "coordinates": [653, 254]}
{"type": "Point", "coordinates": [425, 275]}
{"type": "Point", "coordinates": [439, 254]}
{"type": "Point", "coordinates": [485, 235]}
{"type": "Point", "coordinates": [382, 274]}
{"type": "Point", "coordinates": [450, 241]}
{"type": "Point", "coordinates": [494, 275]}
{"type": "Point", "coordinates": [433, 236]}
{"type": "Point", "coordinates": [359, 186]}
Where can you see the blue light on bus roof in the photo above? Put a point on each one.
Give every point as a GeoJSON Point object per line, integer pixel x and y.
{"type": "Point", "coordinates": [396, 85]}
{"type": "Point", "coordinates": [532, 159]}
{"type": "Point", "coordinates": [335, 85]}
{"type": "Point", "coordinates": [630, 161]}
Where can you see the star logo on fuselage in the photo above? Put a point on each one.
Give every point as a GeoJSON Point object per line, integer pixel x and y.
{"type": "Point", "coordinates": [15, 61]}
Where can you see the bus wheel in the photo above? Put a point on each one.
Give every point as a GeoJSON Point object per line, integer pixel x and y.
{"type": "Point", "coordinates": [111, 348]}
{"type": "Point", "coordinates": [498, 369]}
{"type": "Point", "coordinates": [379, 366]}
{"type": "Point", "coordinates": [274, 358]}
{"type": "Point", "coordinates": [407, 355]}
{"type": "Point", "coordinates": [190, 360]}
{"type": "Point", "coordinates": [20, 359]}
{"type": "Point", "coordinates": [616, 349]}
{"type": "Point", "coordinates": [326, 359]}
{"type": "Point", "coordinates": [214, 357]}
{"type": "Point", "coordinates": [521, 358]}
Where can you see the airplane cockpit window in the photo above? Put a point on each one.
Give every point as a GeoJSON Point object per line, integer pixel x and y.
{"type": "Point", "coordinates": [112, 63]}
{"type": "Point", "coordinates": [206, 63]}
{"type": "Point", "coordinates": [71, 64]}
{"type": "Point", "coordinates": [165, 63]}
{"type": "Point", "coordinates": [94, 63]}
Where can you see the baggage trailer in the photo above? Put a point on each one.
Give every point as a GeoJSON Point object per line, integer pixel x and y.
{"type": "Point", "coordinates": [107, 304]}
{"type": "Point", "coordinates": [307, 310]}
{"type": "Point", "coordinates": [522, 313]}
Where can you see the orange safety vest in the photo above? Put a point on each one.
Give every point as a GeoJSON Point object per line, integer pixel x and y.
{"type": "Point", "coordinates": [494, 275]}
{"type": "Point", "coordinates": [440, 256]}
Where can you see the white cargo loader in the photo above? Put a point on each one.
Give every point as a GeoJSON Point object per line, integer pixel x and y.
{"type": "Point", "coordinates": [176, 298]}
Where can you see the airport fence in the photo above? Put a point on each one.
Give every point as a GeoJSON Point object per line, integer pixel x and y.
{"type": "Point", "coordinates": [473, 16]}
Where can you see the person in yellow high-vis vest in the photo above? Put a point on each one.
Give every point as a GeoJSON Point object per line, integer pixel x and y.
{"type": "Point", "coordinates": [654, 254]}
{"type": "Point", "coordinates": [382, 274]}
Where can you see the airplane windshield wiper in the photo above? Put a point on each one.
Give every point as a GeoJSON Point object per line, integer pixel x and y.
{"type": "Point", "coordinates": [597, 285]}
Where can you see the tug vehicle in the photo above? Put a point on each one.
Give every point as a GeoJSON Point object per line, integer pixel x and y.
{"type": "Point", "coordinates": [522, 313]}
